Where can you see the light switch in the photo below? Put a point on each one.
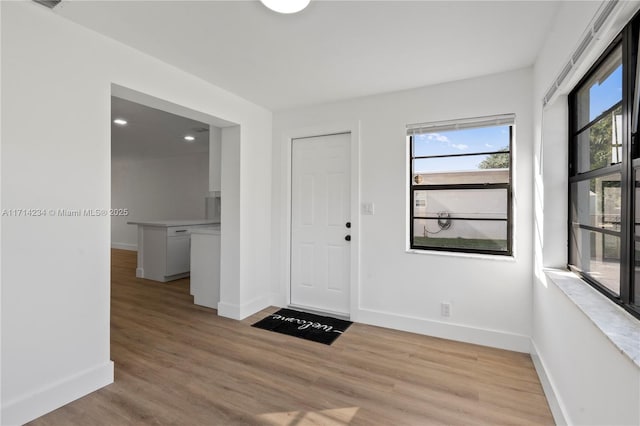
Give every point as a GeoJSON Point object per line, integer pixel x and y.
{"type": "Point", "coordinates": [368, 209]}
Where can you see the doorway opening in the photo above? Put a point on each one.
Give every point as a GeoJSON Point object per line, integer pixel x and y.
{"type": "Point", "coordinates": [167, 169]}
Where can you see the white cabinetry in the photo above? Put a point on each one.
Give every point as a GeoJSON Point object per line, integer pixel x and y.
{"type": "Point", "coordinates": [205, 267]}
{"type": "Point", "coordinates": [178, 249]}
{"type": "Point", "coordinates": [164, 249]}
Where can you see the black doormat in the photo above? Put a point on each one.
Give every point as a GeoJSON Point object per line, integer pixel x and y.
{"type": "Point", "coordinates": [304, 325]}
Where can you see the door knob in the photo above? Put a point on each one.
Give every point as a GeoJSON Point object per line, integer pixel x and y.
{"type": "Point", "coordinates": [347, 237]}
{"type": "Point", "coordinates": [348, 224]}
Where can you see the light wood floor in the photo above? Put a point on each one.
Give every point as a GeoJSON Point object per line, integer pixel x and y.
{"type": "Point", "coordinates": [179, 364]}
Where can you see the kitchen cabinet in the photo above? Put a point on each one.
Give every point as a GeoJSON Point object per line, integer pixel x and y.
{"type": "Point", "coordinates": [205, 266]}
{"type": "Point", "coordinates": [178, 249]}
{"type": "Point", "coordinates": [164, 248]}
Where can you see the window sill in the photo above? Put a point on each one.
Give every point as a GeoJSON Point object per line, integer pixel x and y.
{"type": "Point", "coordinates": [620, 327]}
{"type": "Point", "coordinates": [496, 257]}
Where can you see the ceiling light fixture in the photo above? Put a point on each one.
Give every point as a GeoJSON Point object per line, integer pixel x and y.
{"type": "Point", "coordinates": [120, 121]}
{"type": "Point", "coordinates": [189, 138]}
{"type": "Point", "coordinates": [286, 6]}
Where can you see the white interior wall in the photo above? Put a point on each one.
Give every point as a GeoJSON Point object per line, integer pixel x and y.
{"type": "Point", "coordinates": [230, 238]}
{"type": "Point", "coordinates": [1, 274]}
{"type": "Point", "coordinates": [593, 382]}
{"type": "Point", "coordinates": [156, 189]}
{"type": "Point", "coordinates": [215, 158]}
{"type": "Point", "coordinates": [56, 83]}
{"type": "Point", "coordinates": [490, 296]}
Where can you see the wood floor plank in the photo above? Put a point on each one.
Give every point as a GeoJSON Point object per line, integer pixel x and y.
{"type": "Point", "coordinates": [180, 364]}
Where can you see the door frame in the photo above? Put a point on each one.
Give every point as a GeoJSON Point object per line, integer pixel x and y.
{"type": "Point", "coordinates": [328, 129]}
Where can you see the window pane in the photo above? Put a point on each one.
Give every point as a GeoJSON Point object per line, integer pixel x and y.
{"type": "Point", "coordinates": [636, 226]}
{"type": "Point", "coordinates": [466, 141]}
{"type": "Point", "coordinates": [597, 255]}
{"type": "Point", "coordinates": [636, 298]}
{"type": "Point", "coordinates": [458, 199]}
{"type": "Point", "coordinates": [461, 234]}
{"type": "Point", "coordinates": [601, 144]}
{"type": "Point", "coordinates": [636, 223]}
{"type": "Point", "coordinates": [458, 170]}
{"type": "Point", "coordinates": [602, 91]}
{"type": "Point", "coordinates": [597, 202]}
{"type": "Point", "coordinates": [461, 203]}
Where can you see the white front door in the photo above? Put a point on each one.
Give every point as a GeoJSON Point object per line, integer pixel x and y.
{"type": "Point", "coordinates": [320, 223]}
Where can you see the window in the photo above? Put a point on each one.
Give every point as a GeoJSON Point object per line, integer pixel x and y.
{"type": "Point", "coordinates": [604, 203]}
{"type": "Point", "coordinates": [460, 188]}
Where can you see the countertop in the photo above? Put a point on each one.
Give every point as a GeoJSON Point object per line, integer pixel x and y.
{"type": "Point", "coordinates": [169, 223]}
{"type": "Point", "coordinates": [206, 230]}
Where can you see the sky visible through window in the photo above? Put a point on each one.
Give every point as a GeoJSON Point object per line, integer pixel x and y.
{"type": "Point", "coordinates": [602, 96]}
{"type": "Point", "coordinates": [467, 141]}
{"type": "Point", "coordinates": [606, 94]}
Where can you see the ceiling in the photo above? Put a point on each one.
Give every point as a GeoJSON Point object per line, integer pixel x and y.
{"type": "Point", "coordinates": [152, 133]}
{"type": "Point", "coordinates": [332, 50]}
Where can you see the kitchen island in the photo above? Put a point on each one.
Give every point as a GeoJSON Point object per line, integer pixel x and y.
{"type": "Point", "coordinates": [164, 247]}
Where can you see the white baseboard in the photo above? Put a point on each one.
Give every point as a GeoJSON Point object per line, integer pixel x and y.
{"type": "Point", "coordinates": [229, 310]}
{"type": "Point", "coordinates": [125, 246]}
{"type": "Point", "coordinates": [461, 333]}
{"type": "Point", "coordinates": [53, 396]}
{"type": "Point", "coordinates": [276, 299]}
{"type": "Point", "coordinates": [547, 386]}
{"type": "Point", "coordinates": [255, 305]}
{"type": "Point", "coordinates": [240, 312]}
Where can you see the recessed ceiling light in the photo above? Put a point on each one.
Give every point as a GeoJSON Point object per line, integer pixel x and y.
{"type": "Point", "coordinates": [120, 121]}
{"type": "Point", "coordinates": [286, 6]}
{"type": "Point", "coordinates": [189, 138]}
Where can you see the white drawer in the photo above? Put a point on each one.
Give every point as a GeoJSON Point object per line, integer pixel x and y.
{"type": "Point", "coordinates": [176, 231]}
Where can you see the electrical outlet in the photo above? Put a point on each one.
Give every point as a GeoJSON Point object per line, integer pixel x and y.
{"type": "Point", "coordinates": [445, 309]}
